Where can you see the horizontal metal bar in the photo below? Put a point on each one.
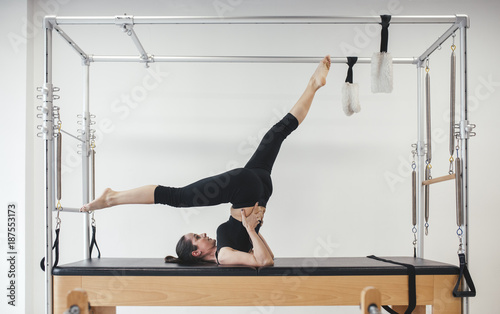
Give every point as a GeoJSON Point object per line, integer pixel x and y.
{"type": "Point", "coordinates": [439, 42]}
{"type": "Point", "coordinates": [236, 59]}
{"type": "Point", "coordinates": [99, 20]}
{"type": "Point", "coordinates": [68, 210]}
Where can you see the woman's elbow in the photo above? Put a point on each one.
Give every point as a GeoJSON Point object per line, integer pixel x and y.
{"type": "Point", "coordinates": [266, 262]}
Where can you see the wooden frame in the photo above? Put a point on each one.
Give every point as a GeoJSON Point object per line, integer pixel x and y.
{"type": "Point", "coordinates": [107, 292]}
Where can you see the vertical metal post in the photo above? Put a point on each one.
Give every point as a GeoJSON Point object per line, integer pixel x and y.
{"type": "Point", "coordinates": [421, 158]}
{"type": "Point", "coordinates": [48, 137]}
{"type": "Point", "coordinates": [464, 136]}
{"type": "Point", "coordinates": [86, 154]}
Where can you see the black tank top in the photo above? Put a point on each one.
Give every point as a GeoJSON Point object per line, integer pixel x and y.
{"type": "Point", "coordinates": [232, 234]}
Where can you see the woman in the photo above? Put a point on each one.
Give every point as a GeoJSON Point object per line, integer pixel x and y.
{"type": "Point", "coordinates": [248, 189]}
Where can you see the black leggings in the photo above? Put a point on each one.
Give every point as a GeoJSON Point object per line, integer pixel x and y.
{"type": "Point", "coordinates": [242, 187]}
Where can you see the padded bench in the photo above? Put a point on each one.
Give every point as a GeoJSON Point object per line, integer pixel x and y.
{"type": "Point", "coordinates": [112, 282]}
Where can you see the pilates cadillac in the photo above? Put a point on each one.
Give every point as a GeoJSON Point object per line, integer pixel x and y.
{"type": "Point", "coordinates": [248, 189]}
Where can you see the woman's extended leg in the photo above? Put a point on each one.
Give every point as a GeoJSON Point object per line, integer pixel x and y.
{"type": "Point", "coordinates": [142, 195]}
{"type": "Point", "coordinates": [318, 79]}
{"type": "Point", "coordinates": [268, 149]}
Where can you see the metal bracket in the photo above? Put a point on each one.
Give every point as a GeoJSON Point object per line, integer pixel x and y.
{"type": "Point", "coordinates": [49, 22]}
{"type": "Point", "coordinates": [463, 20]}
{"type": "Point", "coordinates": [124, 20]}
{"type": "Point", "coordinates": [420, 149]}
{"type": "Point", "coordinates": [466, 129]}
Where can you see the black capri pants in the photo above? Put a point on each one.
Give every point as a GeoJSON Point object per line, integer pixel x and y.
{"type": "Point", "coordinates": [242, 187]}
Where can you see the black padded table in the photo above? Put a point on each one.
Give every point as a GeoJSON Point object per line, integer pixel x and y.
{"type": "Point", "coordinates": [112, 282]}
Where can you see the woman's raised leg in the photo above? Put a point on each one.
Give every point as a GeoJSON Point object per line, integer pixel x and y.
{"type": "Point", "coordinates": [318, 79]}
{"type": "Point", "coordinates": [141, 195]}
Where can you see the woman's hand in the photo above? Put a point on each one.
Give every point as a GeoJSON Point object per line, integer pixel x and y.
{"type": "Point", "coordinates": [254, 219]}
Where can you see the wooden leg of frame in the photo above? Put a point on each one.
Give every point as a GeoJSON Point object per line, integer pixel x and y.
{"type": "Point", "coordinates": [78, 297]}
{"type": "Point", "coordinates": [444, 302]}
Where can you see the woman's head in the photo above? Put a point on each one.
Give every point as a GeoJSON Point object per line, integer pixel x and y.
{"type": "Point", "coordinates": [192, 248]}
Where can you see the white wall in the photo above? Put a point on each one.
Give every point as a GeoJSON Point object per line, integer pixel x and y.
{"type": "Point", "coordinates": [342, 184]}
{"type": "Point", "coordinates": [16, 93]}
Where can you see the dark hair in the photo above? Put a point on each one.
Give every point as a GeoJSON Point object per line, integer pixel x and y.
{"type": "Point", "coordinates": [184, 250]}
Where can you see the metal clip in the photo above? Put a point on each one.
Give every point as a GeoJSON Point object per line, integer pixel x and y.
{"type": "Point", "coordinates": [466, 129]}
{"type": "Point", "coordinates": [460, 233]}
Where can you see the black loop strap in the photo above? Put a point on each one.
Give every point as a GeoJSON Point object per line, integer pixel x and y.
{"type": "Point", "coordinates": [351, 61]}
{"type": "Point", "coordinates": [388, 309]}
{"type": "Point", "coordinates": [464, 272]}
{"type": "Point", "coordinates": [412, 287]}
{"type": "Point", "coordinates": [385, 32]}
{"type": "Point", "coordinates": [56, 247]}
{"type": "Point", "coordinates": [94, 242]}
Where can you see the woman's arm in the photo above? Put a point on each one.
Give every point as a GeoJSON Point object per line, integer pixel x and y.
{"type": "Point", "coordinates": [261, 254]}
{"type": "Point", "coordinates": [267, 246]}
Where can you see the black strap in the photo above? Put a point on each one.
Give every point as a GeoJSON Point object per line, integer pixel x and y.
{"type": "Point", "coordinates": [351, 61]}
{"type": "Point", "coordinates": [412, 287]}
{"type": "Point", "coordinates": [464, 272]}
{"type": "Point", "coordinates": [56, 247]}
{"type": "Point", "coordinates": [385, 32]}
{"type": "Point", "coordinates": [92, 243]}
{"type": "Point", "coordinates": [388, 309]}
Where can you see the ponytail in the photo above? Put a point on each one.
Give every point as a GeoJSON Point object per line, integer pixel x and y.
{"type": "Point", "coordinates": [172, 259]}
{"type": "Point", "coordinates": [184, 250]}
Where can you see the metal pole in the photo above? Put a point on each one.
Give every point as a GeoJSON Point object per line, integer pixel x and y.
{"type": "Point", "coordinates": [101, 20]}
{"type": "Point", "coordinates": [464, 136]}
{"type": "Point", "coordinates": [236, 59]}
{"type": "Point", "coordinates": [421, 158]}
{"type": "Point", "coordinates": [48, 136]}
{"type": "Point", "coordinates": [86, 155]}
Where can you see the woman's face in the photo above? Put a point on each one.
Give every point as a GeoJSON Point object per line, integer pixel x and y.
{"type": "Point", "coordinates": [201, 241]}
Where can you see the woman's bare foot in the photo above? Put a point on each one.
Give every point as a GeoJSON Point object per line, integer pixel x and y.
{"type": "Point", "coordinates": [102, 202]}
{"type": "Point", "coordinates": [318, 79]}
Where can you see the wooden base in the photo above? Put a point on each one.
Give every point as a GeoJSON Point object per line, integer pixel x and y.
{"type": "Point", "coordinates": [112, 291]}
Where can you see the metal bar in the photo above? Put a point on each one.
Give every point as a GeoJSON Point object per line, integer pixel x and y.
{"type": "Point", "coordinates": [464, 149]}
{"type": "Point", "coordinates": [68, 210]}
{"type": "Point", "coordinates": [71, 42]}
{"type": "Point", "coordinates": [100, 20]}
{"type": "Point", "coordinates": [76, 138]}
{"type": "Point", "coordinates": [85, 155]}
{"type": "Point", "coordinates": [137, 43]}
{"type": "Point", "coordinates": [238, 59]}
{"type": "Point", "coordinates": [47, 109]}
{"type": "Point", "coordinates": [421, 159]}
{"type": "Point", "coordinates": [439, 42]}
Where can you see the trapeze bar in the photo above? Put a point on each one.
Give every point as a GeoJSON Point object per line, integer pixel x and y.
{"type": "Point", "coordinates": [439, 179]}
{"type": "Point", "coordinates": [96, 20]}
{"type": "Point", "coordinates": [236, 59]}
